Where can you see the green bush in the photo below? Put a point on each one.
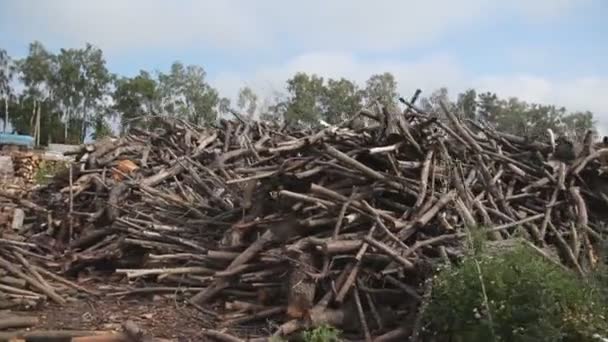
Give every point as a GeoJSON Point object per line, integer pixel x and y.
{"type": "Point", "coordinates": [529, 299]}
{"type": "Point", "coordinates": [321, 334]}
{"type": "Point", "coordinates": [47, 170]}
{"type": "Point", "coordinates": [324, 333]}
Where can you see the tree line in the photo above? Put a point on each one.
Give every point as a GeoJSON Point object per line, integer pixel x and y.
{"type": "Point", "coordinates": [65, 97]}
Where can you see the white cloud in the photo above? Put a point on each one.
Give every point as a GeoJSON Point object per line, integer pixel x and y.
{"type": "Point", "coordinates": [428, 74]}
{"type": "Point", "coordinates": [124, 26]}
{"type": "Point", "coordinates": [120, 26]}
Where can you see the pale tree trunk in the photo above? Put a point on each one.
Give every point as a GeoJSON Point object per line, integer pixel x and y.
{"type": "Point", "coordinates": [66, 125]}
{"type": "Point", "coordinates": [33, 120]}
{"type": "Point", "coordinates": [83, 127]}
{"type": "Point", "coordinates": [38, 126]}
{"type": "Point", "coordinates": [5, 113]}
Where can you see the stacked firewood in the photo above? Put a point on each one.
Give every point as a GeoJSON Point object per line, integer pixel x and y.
{"type": "Point", "coordinates": [340, 225]}
{"type": "Point", "coordinates": [26, 165]}
{"type": "Point", "coordinates": [26, 279]}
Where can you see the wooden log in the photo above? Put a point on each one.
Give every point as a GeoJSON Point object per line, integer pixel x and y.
{"type": "Point", "coordinates": [301, 287]}
{"type": "Point", "coordinates": [48, 335]}
{"type": "Point", "coordinates": [33, 282]}
{"type": "Point", "coordinates": [248, 254]}
{"type": "Point", "coordinates": [18, 322]}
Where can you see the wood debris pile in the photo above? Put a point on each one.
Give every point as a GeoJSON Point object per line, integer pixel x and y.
{"type": "Point", "coordinates": [340, 225]}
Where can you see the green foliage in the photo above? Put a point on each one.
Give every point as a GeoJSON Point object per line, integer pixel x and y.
{"type": "Point", "coordinates": [68, 84]}
{"type": "Point", "coordinates": [489, 106]}
{"type": "Point", "coordinates": [185, 93]}
{"type": "Point", "coordinates": [7, 74]}
{"type": "Point", "coordinates": [311, 99]}
{"type": "Point", "coordinates": [223, 106]}
{"type": "Point", "coordinates": [600, 274]}
{"type": "Point", "coordinates": [323, 333]}
{"type": "Point", "coordinates": [247, 101]}
{"type": "Point", "coordinates": [578, 123]}
{"type": "Point", "coordinates": [63, 89]}
{"type": "Point", "coordinates": [304, 103]}
{"type": "Point", "coordinates": [52, 127]}
{"type": "Point", "coordinates": [37, 71]}
{"type": "Point", "coordinates": [383, 88]}
{"type": "Point", "coordinates": [273, 108]}
{"type": "Point", "coordinates": [47, 170]}
{"type": "Point", "coordinates": [101, 128]}
{"type": "Point", "coordinates": [75, 95]}
{"type": "Point", "coordinates": [341, 99]}
{"type": "Point", "coordinates": [522, 118]}
{"type": "Point", "coordinates": [467, 103]}
{"type": "Point", "coordinates": [135, 98]}
{"type": "Point", "coordinates": [97, 80]}
{"type": "Point", "coordinates": [529, 300]}
{"type": "Point", "coordinates": [432, 104]}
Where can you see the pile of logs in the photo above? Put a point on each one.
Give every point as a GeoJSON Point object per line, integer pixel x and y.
{"type": "Point", "coordinates": [341, 225]}
{"type": "Point", "coordinates": [26, 285]}
{"type": "Point", "coordinates": [26, 165]}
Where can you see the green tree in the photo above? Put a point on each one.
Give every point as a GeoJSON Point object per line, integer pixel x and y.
{"type": "Point", "coordinates": [383, 88]}
{"type": "Point", "coordinates": [467, 104]}
{"type": "Point", "coordinates": [489, 106]}
{"type": "Point", "coordinates": [37, 71]}
{"type": "Point", "coordinates": [100, 124]}
{"type": "Point", "coordinates": [185, 93]}
{"type": "Point", "coordinates": [96, 80]}
{"type": "Point", "coordinates": [68, 84]}
{"type": "Point", "coordinates": [432, 104]}
{"type": "Point", "coordinates": [247, 101]}
{"type": "Point", "coordinates": [528, 119]}
{"type": "Point", "coordinates": [135, 98]}
{"type": "Point", "coordinates": [341, 98]}
{"type": "Point", "coordinates": [223, 106]}
{"type": "Point", "coordinates": [305, 96]}
{"type": "Point", "coordinates": [577, 124]}
{"type": "Point", "coordinates": [7, 73]}
{"type": "Point", "coordinates": [273, 108]}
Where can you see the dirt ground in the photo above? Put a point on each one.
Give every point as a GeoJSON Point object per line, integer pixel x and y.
{"type": "Point", "coordinates": [161, 318]}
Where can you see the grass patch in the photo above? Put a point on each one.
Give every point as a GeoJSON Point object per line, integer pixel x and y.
{"type": "Point", "coordinates": [529, 299]}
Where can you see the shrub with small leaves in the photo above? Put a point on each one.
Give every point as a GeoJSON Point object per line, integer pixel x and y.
{"type": "Point", "coordinates": [323, 333]}
{"type": "Point", "coordinates": [529, 299]}
{"type": "Point", "coordinates": [47, 170]}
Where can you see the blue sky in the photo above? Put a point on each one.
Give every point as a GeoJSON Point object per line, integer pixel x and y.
{"type": "Point", "coordinates": [550, 51]}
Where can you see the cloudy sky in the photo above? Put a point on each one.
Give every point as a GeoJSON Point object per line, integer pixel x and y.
{"type": "Point", "coordinates": [549, 51]}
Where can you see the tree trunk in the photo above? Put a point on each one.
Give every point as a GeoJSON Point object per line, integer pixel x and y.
{"type": "Point", "coordinates": [66, 125]}
{"type": "Point", "coordinates": [83, 126]}
{"type": "Point", "coordinates": [5, 112]}
{"type": "Point", "coordinates": [33, 120]}
{"type": "Point", "coordinates": [301, 292]}
{"type": "Point", "coordinates": [38, 126]}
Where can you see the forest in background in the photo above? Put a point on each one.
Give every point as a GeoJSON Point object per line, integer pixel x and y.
{"type": "Point", "coordinates": [69, 95]}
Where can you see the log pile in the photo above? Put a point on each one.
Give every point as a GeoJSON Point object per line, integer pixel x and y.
{"type": "Point", "coordinates": [26, 165]}
{"type": "Point", "coordinates": [340, 225]}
